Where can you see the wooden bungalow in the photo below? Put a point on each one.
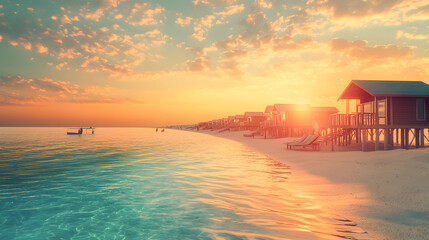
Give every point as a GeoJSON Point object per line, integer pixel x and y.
{"type": "Point", "coordinates": [396, 109]}
{"type": "Point", "coordinates": [235, 126]}
{"type": "Point", "coordinates": [252, 120]}
{"type": "Point", "coordinates": [269, 112]}
{"type": "Point", "coordinates": [231, 120]}
{"type": "Point", "coordinates": [284, 120]}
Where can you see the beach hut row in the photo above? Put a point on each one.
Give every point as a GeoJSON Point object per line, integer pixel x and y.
{"type": "Point", "coordinates": [387, 114]}
{"type": "Point", "coordinates": [278, 120]}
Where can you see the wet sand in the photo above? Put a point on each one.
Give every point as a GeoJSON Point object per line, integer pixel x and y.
{"type": "Point", "coordinates": [385, 193]}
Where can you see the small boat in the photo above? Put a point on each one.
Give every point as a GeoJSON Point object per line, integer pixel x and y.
{"type": "Point", "coordinates": [80, 131]}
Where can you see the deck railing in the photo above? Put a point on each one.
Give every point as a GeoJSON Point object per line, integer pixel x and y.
{"type": "Point", "coordinates": [354, 119]}
{"type": "Point", "coordinates": [273, 123]}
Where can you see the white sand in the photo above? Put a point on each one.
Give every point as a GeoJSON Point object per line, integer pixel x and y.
{"type": "Point", "coordinates": [386, 193]}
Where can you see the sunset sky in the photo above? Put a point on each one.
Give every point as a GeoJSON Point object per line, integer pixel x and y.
{"type": "Point", "coordinates": [135, 63]}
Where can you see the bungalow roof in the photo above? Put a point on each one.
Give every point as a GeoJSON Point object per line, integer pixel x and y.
{"type": "Point", "coordinates": [269, 108]}
{"type": "Point", "coordinates": [253, 114]}
{"type": "Point", "coordinates": [358, 89]}
{"type": "Point", "coordinates": [291, 107]}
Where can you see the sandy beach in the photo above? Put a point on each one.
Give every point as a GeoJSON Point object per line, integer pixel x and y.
{"type": "Point", "coordinates": [385, 192]}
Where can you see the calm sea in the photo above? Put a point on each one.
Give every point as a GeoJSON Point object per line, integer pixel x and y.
{"type": "Point", "coordinates": [134, 183]}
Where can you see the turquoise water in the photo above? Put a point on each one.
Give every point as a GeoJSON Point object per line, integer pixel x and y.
{"type": "Point", "coordinates": [133, 183]}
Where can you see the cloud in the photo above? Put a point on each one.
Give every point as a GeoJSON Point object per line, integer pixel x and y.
{"type": "Point", "coordinates": [41, 48]}
{"type": "Point", "coordinates": [232, 68]}
{"type": "Point", "coordinates": [262, 4]}
{"type": "Point", "coordinates": [287, 43]}
{"type": "Point", "coordinates": [214, 2]}
{"type": "Point", "coordinates": [61, 65]}
{"type": "Point", "coordinates": [258, 30]}
{"type": "Point", "coordinates": [353, 8]}
{"type": "Point", "coordinates": [235, 53]}
{"type": "Point", "coordinates": [65, 19]}
{"type": "Point", "coordinates": [16, 90]}
{"type": "Point", "coordinates": [142, 15]}
{"type": "Point", "coordinates": [101, 6]}
{"type": "Point", "coordinates": [231, 10]}
{"type": "Point", "coordinates": [401, 34]}
{"type": "Point", "coordinates": [200, 64]}
{"type": "Point", "coordinates": [21, 41]}
{"type": "Point", "coordinates": [420, 15]}
{"type": "Point", "coordinates": [359, 49]}
{"type": "Point", "coordinates": [201, 26]}
{"type": "Point", "coordinates": [183, 21]}
{"type": "Point", "coordinates": [104, 29]}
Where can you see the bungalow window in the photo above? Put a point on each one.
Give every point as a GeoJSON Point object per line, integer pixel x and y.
{"type": "Point", "coordinates": [421, 113]}
{"type": "Point", "coordinates": [381, 105]}
{"type": "Point", "coordinates": [367, 107]}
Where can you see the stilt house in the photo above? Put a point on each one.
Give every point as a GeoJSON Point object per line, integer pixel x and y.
{"type": "Point", "coordinates": [396, 109]}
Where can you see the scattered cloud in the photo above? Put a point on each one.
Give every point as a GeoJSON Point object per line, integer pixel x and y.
{"type": "Point", "coordinates": [359, 49]}
{"type": "Point", "coordinates": [353, 8]}
{"type": "Point", "coordinates": [200, 64]}
{"type": "Point", "coordinates": [143, 14]}
{"type": "Point", "coordinates": [41, 48]}
{"type": "Point", "coordinates": [420, 15]}
{"type": "Point", "coordinates": [202, 25]}
{"type": "Point", "coordinates": [231, 10]}
{"type": "Point", "coordinates": [402, 34]}
{"type": "Point", "coordinates": [16, 90]}
{"type": "Point", "coordinates": [183, 21]}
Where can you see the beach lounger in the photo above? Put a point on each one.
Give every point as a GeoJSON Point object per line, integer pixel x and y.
{"type": "Point", "coordinates": [253, 134]}
{"type": "Point", "coordinates": [297, 141]}
{"type": "Point", "coordinates": [310, 141]}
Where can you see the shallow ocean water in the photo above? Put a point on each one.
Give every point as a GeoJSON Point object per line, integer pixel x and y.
{"type": "Point", "coordinates": [134, 183]}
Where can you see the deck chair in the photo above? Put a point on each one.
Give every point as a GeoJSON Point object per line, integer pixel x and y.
{"type": "Point", "coordinates": [308, 142]}
{"type": "Point", "coordinates": [297, 141]}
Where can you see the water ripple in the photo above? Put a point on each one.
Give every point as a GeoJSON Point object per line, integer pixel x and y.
{"type": "Point", "coordinates": [138, 184]}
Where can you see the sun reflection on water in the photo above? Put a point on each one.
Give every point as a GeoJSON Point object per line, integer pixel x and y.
{"type": "Point", "coordinates": [135, 182]}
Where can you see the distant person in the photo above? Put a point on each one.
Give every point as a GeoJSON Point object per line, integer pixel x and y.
{"type": "Point", "coordinates": [156, 129]}
{"type": "Point", "coordinates": [162, 130]}
{"type": "Point", "coordinates": [80, 130]}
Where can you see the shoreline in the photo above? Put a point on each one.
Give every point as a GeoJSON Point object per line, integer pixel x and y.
{"type": "Point", "coordinates": [384, 192]}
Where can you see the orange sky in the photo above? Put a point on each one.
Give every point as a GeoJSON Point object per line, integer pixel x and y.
{"type": "Point", "coordinates": [128, 63]}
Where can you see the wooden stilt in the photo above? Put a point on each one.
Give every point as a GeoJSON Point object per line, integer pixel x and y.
{"type": "Point", "coordinates": [377, 139]}
{"type": "Point", "coordinates": [386, 139]}
{"type": "Point", "coordinates": [422, 138]}
{"type": "Point", "coordinates": [372, 135]}
{"type": "Point", "coordinates": [397, 136]}
{"type": "Point", "coordinates": [406, 136]}
{"type": "Point", "coordinates": [358, 135]}
{"type": "Point", "coordinates": [364, 139]}
{"type": "Point", "coordinates": [417, 137]}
